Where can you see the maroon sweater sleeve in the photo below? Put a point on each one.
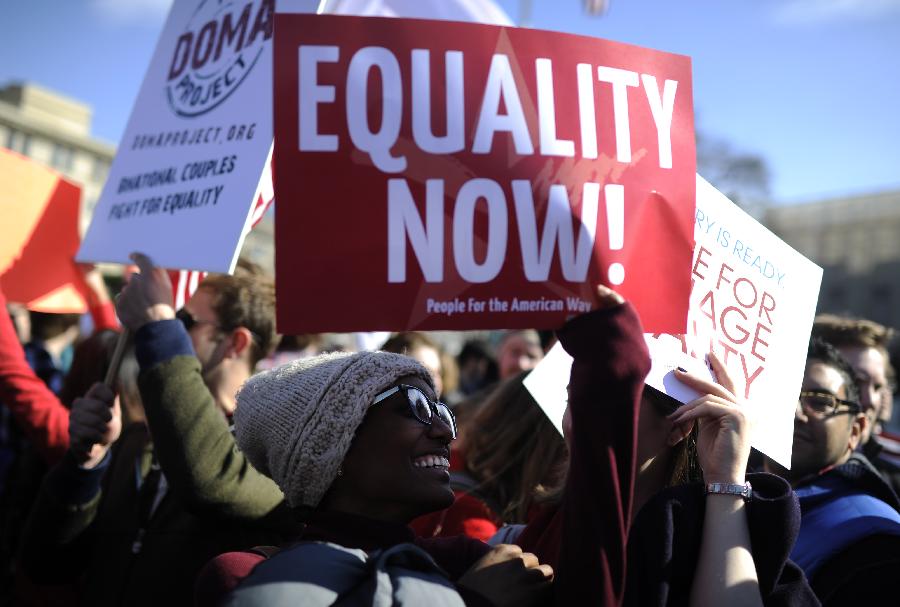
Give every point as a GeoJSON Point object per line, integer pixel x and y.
{"type": "Point", "coordinates": [40, 415]}
{"type": "Point", "coordinates": [584, 538]}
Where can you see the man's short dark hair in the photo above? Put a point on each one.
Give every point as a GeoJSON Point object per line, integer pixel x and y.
{"type": "Point", "coordinates": [246, 300]}
{"type": "Point", "coordinates": [824, 352]}
{"type": "Point", "coordinates": [845, 331]}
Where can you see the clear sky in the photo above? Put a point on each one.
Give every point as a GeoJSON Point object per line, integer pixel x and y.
{"type": "Point", "coordinates": [813, 86]}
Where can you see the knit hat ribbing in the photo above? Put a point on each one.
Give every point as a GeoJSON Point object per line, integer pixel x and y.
{"type": "Point", "coordinates": [295, 423]}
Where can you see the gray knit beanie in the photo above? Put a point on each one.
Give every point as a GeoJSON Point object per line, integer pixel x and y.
{"type": "Point", "coordinates": [295, 422]}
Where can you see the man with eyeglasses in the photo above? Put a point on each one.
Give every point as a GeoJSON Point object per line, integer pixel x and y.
{"type": "Point", "coordinates": [864, 343]}
{"type": "Point", "coordinates": [849, 540]}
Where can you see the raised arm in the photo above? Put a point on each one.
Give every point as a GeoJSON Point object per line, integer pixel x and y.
{"type": "Point", "coordinates": [100, 305]}
{"type": "Point", "coordinates": [726, 573]}
{"type": "Point", "coordinates": [37, 411]}
{"type": "Point", "coordinates": [191, 437]}
{"type": "Point", "coordinates": [585, 539]}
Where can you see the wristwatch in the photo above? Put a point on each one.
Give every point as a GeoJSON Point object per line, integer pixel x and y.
{"type": "Point", "coordinates": [745, 490]}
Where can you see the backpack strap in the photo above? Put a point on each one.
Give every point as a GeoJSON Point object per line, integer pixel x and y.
{"type": "Point", "coordinates": [265, 551]}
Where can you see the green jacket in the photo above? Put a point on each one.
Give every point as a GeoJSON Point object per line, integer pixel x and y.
{"type": "Point", "coordinates": [94, 525]}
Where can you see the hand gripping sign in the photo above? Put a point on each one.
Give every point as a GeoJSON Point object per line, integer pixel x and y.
{"type": "Point", "coordinates": [439, 175]}
{"type": "Point", "coordinates": [182, 186]}
{"type": "Point", "coordinates": [752, 303]}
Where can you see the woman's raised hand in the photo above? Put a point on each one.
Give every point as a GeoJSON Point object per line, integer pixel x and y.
{"type": "Point", "coordinates": [723, 439]}
{"type": "Point", "coordinates": [604, 298]}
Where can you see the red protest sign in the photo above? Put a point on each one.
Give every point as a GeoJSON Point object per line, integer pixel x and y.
{"type": "Point", "coordinates": [39, 237]}
{"type": "Point", "coordinates": [439, 175]}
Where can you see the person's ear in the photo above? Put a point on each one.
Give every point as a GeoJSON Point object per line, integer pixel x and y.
{"type": "Point", "coordinates": [239, 342]}
{"type": "Point", "coordinates": [857, 430]}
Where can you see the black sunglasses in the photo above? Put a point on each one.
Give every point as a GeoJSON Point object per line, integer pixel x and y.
{"type": "Point", "coordinates": [422, 408]}
{"type": "Point", "coordinates": [188, 320]}
{"type": "Point", "coordinates": [825, 404]}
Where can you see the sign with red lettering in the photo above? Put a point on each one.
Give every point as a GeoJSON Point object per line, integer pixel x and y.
{"type": "Point", "coordinates": [752, 303]}
{"type": "Point", "coordinates": [186, 174]}
{"type": "Point", "coordinates": [441, 175]}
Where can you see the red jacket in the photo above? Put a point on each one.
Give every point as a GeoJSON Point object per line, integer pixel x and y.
{"type": "Point", "coordinates": [38, 412]}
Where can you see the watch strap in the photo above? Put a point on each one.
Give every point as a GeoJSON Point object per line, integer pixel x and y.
{"type": "Point", "coordinates": [744, 490]}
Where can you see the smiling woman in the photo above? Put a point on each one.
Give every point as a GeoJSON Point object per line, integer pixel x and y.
{"type": "Point", "coordinates": [360, 447]}
{"type": "Point", "coordinates": [312, 426]}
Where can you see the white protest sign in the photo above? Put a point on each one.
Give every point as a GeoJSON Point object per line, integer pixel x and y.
{"type": "Point", "coordinates": [753, 301]}
{"type": "Point", "coordinates": [183, 181]}
{"type": "Point", "coordinates": [547, 384]}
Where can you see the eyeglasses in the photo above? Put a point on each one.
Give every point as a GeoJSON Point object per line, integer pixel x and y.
{"type": "Point", "coordinates": [188, 320]}
{"type": "Point", "coordinates": [825, 404]}
{"type": "Point", "coordinates": [422, 408]}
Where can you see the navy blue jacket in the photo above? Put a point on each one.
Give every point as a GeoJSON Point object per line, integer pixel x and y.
{"type": "Point", "coordinates": [849, 542]}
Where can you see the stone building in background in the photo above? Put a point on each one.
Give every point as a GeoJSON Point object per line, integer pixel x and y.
{"type": "Point", "coordinates": [55, 131]}
{"type": "Point", "coordinates": [856, 240]}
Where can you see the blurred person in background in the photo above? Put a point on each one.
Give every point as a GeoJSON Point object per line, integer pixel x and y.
{"type": "Point", "coordinates": [291, 347]}
{"type": "Point", "coordinates": [518, 351]}
{"type": "Point", "coordinates": [30, 411]}
{"type": "Point", "coordinates": [51, 347]}
{"type": "Point", "coordinates": [450, 379]}
{"type": "Point", "coordinates": [864, 344]}
{"type": "Point", "coordinates": [53, 336]}
{"type": "Point", "coordinates": [35, 421]}
{"type": "Point", "coordinates": [477, 367]}
{"type": "Point", "coordinates": [423, 349]}
{"type": "Point", "coordinates": [90, 363]}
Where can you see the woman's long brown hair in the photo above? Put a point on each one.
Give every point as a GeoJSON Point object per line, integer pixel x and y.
{"type": "Point", "coordinates": [684, 465]}
{"type": "Point", "coordinates": [512, 450]}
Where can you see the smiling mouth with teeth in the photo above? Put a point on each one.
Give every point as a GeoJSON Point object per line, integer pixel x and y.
{"type": "Point", "coordinates": [431, 461]}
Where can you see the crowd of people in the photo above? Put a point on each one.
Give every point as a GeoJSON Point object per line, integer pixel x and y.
{"type": "Point", "coordinates": [212, 462]}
